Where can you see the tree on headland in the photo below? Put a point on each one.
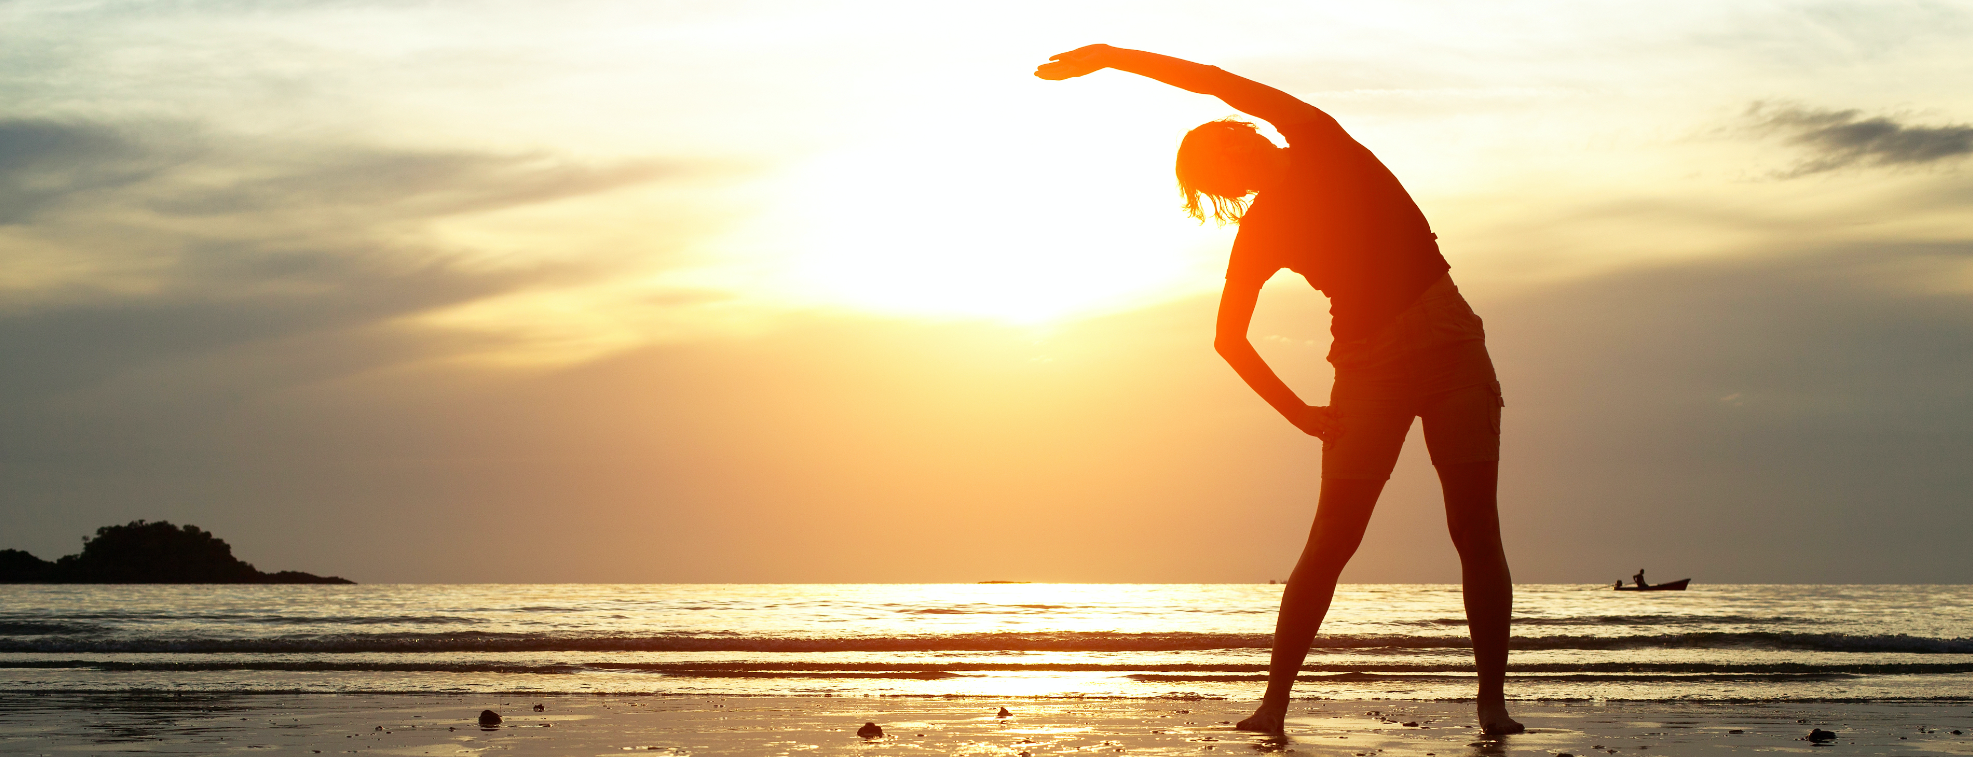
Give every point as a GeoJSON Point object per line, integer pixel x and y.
{"type": "Point", "coordinates": [18, 567]}
{"type": "Point", "coordinates": [143, 552]}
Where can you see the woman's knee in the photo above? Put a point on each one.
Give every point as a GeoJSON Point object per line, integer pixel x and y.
{"type": "Point", "coordinates": [1473, 530]}
{"type": "Point", "coordinates": [1320, 568]}
{"type": "Point", "coordinates": [1476, 541]}
{"type": "Point", "coordinates": [1328, 553]}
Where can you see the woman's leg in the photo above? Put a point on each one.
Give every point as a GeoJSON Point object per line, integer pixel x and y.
{"type": "Point", "coordinates": [1472, 514]}
{"type": "Point", "coordinates": [1341, 513]}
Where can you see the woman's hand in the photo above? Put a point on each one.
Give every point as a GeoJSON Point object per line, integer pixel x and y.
{"type": "Point", "coordinates": [1082, 60]}
{"type": "Point", "coordinates": [1317, 421]}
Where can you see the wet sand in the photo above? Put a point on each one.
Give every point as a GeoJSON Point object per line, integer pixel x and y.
{"type": "Point", "coordinates": [64, 724]}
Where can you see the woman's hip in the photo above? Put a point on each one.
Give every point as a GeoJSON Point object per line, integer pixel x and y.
{"type": "Point", "coordinates": [1415, 375]}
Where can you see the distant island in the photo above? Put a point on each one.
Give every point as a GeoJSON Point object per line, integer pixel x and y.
{"type": "Point", "coordinates": [142, 552]}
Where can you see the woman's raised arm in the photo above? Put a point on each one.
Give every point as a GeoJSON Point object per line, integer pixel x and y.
{"type": "Point", "coordinates": [1245, 95]}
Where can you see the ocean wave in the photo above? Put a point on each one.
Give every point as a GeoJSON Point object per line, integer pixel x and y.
{"type": "Point", "coordinates": [44, 628]}
{"type": "Point", "coordinates": [1361, 677]}
{"type": "Point", "coordinates": [123, 694]}
{"type": "Point", "coordinates": [1663, 620]}
{"type": "Point", "coordinates": [1600, 668]}
{"type": "Point", "coordinates": [990, 642]}
{"type": "Point", "coordinates": [363, 620]}
{"type": "Point", "coordinates": [295, 666]}
{"type": "Point", "coordinates": [981, 609]}
{"type": "Point", "coordinates": [252, 618]}
{"type": "Point", "coordinates": [1617, 671]}
{"type": "Point", "coordinates": [1658, 621]}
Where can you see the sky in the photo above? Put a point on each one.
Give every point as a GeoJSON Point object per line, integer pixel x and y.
{"type": "Point", "coordinates": [837, 291]}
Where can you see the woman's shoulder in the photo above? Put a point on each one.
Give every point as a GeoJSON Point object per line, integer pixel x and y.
{"type": "Point", "coordinates": [1313, 129]}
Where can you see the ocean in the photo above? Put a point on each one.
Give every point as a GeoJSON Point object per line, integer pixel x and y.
{"type": "Point", "coordinates": [1187, 641]}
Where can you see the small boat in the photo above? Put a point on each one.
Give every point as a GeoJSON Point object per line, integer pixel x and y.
{"type": "Point", "coordinates": [1678, 585]}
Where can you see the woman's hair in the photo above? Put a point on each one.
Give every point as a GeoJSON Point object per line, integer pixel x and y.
{"type": "Point", "coordinates": [1204, 169]}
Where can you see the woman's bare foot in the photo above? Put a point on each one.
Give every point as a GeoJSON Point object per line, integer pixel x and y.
{"type": "Point", "coordinates": [1266, 719]}
{"type": "Point", "coordinates": [1494, 720]}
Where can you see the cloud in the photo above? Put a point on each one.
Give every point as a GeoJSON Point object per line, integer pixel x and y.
{"type": "Point", "coordinates": [235, 300]}
{"type": "Point", "coordinates": [407, 183]}
{"type": "Point", "coordinates": [181, 171]}
{"type": "Point", "coordinates": [136, 244]}
{"type": "Point", "coordinates": [43, 162]}
{"type": "Point", "coordinates": [1839, 138]}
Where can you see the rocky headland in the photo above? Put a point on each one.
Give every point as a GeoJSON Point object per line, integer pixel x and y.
{"type": "Point", "coordinates": [143, 552]}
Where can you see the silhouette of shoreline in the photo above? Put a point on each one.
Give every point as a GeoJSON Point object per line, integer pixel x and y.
{"type": "Point", "coordinates": [142, 552]}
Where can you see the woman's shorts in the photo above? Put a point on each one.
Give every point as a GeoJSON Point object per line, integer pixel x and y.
{"type": "Point", "coordinates": [1430, 363]}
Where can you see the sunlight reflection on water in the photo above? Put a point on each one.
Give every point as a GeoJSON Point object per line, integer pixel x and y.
{"type": "Point", "coordinates": [999, 639]}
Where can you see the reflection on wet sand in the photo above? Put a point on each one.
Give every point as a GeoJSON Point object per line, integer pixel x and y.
{"type": "Point", "coordinates": [161, 723]}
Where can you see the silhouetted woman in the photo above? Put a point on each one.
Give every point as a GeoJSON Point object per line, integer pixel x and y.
{"type": "Point", "coordinates": [1405, 344]}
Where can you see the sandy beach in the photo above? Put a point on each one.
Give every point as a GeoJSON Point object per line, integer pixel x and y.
{"type": "Point", "coordinates": [598, 725]}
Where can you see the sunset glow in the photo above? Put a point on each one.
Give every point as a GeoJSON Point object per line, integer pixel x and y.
{"type": "Point", "coordinates": [853, 377]}
{"type": "Point", "coordinates": [992, 217]}
{"type": "Point", "coordinates": [798, 277]}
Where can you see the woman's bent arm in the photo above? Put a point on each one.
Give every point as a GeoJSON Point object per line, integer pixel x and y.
{"type": "Point", "coordinates": [1245, 95]}
{"type": "Point", "coordinates": [1236, 312]}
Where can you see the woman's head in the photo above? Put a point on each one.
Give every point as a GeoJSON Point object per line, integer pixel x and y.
{"type": "Point", "coordinates": [1223, 161]}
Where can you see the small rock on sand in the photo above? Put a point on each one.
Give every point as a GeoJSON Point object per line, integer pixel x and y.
{"type": "Point", "coordinates": [541, 708]}
{"type": "Point", "coordinates": [489, 717]}
{"type": "Point", "coordinates": [1004, 713]}
{"type": "Point", "coordinates": [1818, 735]}
{"type": "Point", "coordinates": [870, 731]}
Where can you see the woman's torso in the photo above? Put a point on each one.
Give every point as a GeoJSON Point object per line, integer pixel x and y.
{"type": "Point", "coordinates": [1344, 222]}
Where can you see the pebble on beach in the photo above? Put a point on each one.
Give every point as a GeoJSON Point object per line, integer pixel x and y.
{"type": "Point", "coordinates": [489, 718]}
{"type": "Point", "coordinates": [1004, 713]}
{"type": "Point", "coordinates": [541, 708]}
{"type": "Point", "coordinates": [871, 731]}
{"type": "Point", "coordinates": [1818, 735]}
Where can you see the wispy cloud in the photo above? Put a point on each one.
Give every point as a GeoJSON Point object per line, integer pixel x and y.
{"type": "Point", "coordinates": [1840, 138]}
{"type": "Point", "coordinates": [43, 162]}
{"type": "Point", "coordinates": [185, 173]}
{"type": "Point", "coordinates": [421, 184]}
{"type": "Point", "coordinates": [136, 243]}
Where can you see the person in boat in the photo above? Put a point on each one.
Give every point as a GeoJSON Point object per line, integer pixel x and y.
{"type": "Point", "coordinates": [1406, 345]}
{"type": "Point", "coordinates": [1639, 578]}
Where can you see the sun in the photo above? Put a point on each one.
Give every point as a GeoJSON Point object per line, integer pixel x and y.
{"type": "Point", "coordinates": [987, 218]}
